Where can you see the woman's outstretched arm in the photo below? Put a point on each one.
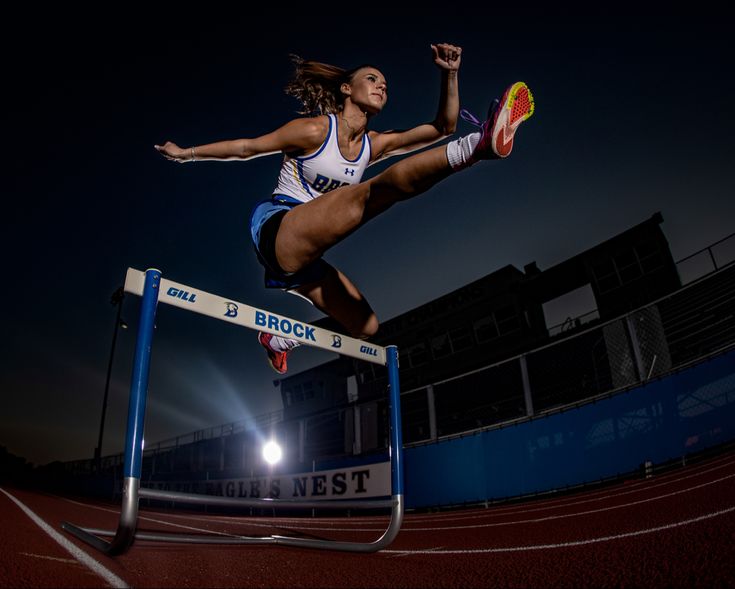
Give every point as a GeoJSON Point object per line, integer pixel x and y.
{"type": "Point", "coordinates": [448, 58]}
{"type": "Point", "coordinates": [298, 135]}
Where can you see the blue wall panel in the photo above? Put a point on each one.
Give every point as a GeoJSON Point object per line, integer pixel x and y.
{"type": "Point", "coordinates": [665, 419]}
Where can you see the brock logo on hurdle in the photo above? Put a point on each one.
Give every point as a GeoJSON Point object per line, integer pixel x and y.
{"type": "Point", "coordinates": [294, 328]}
{"type": "Point", "coordinates": [284, 326]}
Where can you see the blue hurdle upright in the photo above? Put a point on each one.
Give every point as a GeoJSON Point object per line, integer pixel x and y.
{"type": "Point", "coordinates": [149, 285]}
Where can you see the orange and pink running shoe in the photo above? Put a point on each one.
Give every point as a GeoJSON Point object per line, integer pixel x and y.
{"type": "Point", "coordinates": [504, 118]}
{"type": "Point", "coordinates": [278, 360]}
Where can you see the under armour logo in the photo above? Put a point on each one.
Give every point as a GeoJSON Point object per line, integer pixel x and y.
{"type": "Point", "coordinates": [349, 171]}
{"type": "Point", "coordinates": [336, 341]}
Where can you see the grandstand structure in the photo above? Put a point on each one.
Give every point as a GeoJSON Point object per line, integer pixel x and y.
{"type": "Point", "coordinates": [509, 348]}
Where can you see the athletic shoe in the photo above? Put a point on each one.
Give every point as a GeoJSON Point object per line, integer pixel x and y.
{"type": "Point", "coordinates": [276, 358]}
{"type": "Point", "coordinates": [504, 118]}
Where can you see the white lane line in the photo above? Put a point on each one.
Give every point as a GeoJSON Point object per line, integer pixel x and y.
{"type": "Point", "coordinates": [566, 515]}
{"type": "Point", "coordinates": [401, 554]}
{"type": "Point", "coordinates": [441, 550]}
{"type": "Point", "coordinates": [192, 528]}
{"type": "Point", "coordinates": [210, 520]}
{"type": "Point", "coordinates": [408, 528]}
{"type": "Point", "coordinates": [563, 544]}
{"type": "Point", "coordinates": [249, 519]}
{"type": "Point", "coordinates": [569, 501]}
{"type": "Point", "coordinates": [475, 514]}
{"type": "Point", "coordinates": [405, 528]}
{"type": "Point", "coordinates": [582, 496]}
{"type": "Point", "coordinates": [112, 579]}
{"type": "Point", "coordinates": [56, 558]}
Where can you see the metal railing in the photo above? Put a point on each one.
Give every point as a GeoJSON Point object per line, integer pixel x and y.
{"type": "Point", "coordinates": [690, 324]}
{"type": "Point", "coordinates": [687, 326]}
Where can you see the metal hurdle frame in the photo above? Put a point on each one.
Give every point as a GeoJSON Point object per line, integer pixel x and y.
{"type": "Point", "coordinates": [149, 285]}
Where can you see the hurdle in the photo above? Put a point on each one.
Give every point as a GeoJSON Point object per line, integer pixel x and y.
{"type": "Point", "coordinates": [149, 285]}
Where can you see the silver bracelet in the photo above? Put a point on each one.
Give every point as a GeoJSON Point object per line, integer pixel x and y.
{"type": "Point", "coordinates": [192, 155]}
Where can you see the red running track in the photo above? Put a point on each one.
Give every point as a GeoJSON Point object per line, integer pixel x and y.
{"type": "Point", "coordinates": [671, 530]}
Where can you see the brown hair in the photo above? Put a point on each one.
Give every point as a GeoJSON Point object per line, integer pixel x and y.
{"type": "Point", "coordinates": [317, 85]}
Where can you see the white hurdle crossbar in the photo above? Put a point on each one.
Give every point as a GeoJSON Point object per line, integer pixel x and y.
{"type": "Point", "coordinates": [154, 289]}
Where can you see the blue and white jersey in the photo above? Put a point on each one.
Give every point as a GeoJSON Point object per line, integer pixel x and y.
{"type": "Point", "coordinates": [308, 177]}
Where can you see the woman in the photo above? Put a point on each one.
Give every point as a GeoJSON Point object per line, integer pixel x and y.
{"type": "Point", "coordinates": [320, 197]}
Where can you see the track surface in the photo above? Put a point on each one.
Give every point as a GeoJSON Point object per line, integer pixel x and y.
{"type": "Point", "coordinates": [671, 530]}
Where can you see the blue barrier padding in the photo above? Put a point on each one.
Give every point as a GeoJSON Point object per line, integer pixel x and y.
{"type": "Point", "coordinates": [663, 420]}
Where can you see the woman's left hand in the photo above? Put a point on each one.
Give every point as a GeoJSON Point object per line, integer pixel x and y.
{"type": "Point", "coordinates": [446, 56]}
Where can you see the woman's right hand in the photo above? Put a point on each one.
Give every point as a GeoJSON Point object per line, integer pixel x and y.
{"type": "Point", "coordinates": [173, 152]}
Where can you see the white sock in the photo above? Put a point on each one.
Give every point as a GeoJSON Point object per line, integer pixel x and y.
{"type": "Point", "coordinates": [459, 151]}
{"type": "Point", "coordinates": [282, 344]}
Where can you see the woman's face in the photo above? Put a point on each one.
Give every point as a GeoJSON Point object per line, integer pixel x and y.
{"type": "Point", "coordinates": [367, 89]}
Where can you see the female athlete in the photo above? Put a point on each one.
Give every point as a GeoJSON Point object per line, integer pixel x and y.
{"type": "Point", "coordinates": [320, 197]}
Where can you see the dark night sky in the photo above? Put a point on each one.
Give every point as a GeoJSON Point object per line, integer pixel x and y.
{"type": "Point", "coordinates": [634, 115]}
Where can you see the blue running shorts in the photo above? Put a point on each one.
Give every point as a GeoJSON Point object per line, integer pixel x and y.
{"type": "Point", "coordinates": [265, 220]}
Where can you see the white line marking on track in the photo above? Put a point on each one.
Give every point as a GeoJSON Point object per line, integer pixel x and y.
{"type": "Point", "coordinates": [583, 496]}
{"type": "Point", "coordinates": [405, 528]}
{"type": "Point", "coordinates": [564, 544]}
{"type": "Point", "coordinates": [491, 512]}
{"type": "Point", "coordinates": [591, 497]}
{"type": "Point", "coordinates": [77, 553]}
{"type": "Point", "coordinates": [403, 554]}
{"type": "Point", "coordinates": [187, 517]}
{"type": "Point", "coordinates": [160, 521]}
{"type": "Point", "coordinates": [407, 524]}
{"type": "Point", "coordinates": [441, 550]}
{"type": "Point", "coordinates": [566, 515]}
{"type": "Point", "coordinates": [56, 558]}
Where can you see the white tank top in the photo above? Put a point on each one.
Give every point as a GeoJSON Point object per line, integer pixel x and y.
{"type": "Point", "coordinates": [308, 177]}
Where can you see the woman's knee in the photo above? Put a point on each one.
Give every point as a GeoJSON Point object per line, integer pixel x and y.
{"type": "Point", "coordinates": [369, 327]}
{"type": "Point", "coordinates": [362, 325]}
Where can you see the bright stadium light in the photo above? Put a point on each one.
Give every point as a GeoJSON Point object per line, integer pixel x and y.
{"type": "Point", "coordinates": [272, 452]}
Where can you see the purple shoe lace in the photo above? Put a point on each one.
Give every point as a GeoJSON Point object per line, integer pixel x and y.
{"type": "Point", "coordinates": [473, 120]}
{"type": "Point", "coordinates": [470, 118]}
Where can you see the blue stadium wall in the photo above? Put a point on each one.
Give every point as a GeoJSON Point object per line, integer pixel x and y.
{"type": "Point", "coordinates": [663, 420]}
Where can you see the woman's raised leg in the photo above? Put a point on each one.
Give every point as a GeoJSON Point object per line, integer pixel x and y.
{"type": "Point", "coordinates": [309, 230]}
